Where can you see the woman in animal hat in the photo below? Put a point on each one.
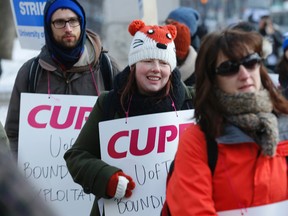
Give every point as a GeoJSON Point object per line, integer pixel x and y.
{"type": "Point", "coordinates": [150, 84]}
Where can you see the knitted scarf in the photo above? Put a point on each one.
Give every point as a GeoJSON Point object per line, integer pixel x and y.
{"type": "Point", "coordinates": [252, 112]}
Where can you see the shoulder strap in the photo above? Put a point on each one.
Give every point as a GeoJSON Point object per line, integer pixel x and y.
{"type": "Point", "coordinates": [212, 152]}
{"type": "Point", "coordinates": [106, 70]}
{"type": "Point", "coordinates": [33, 75]}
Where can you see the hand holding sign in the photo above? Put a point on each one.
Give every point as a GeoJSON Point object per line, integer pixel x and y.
{"type": "Point", "coordinates": [144, 152]}
{"type": "Point", "coordinates": [120, 185]}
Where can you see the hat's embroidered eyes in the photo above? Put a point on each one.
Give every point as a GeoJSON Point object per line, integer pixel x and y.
{"type": "Point", "coordinates": [169, 36]}
{"type": "Point", "coordinates": [150, 31]}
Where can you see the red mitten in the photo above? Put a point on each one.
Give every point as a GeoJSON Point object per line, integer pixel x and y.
{"type": "Point", "coordinates": [130, 186]}
{"type": "Point", "coordinates": [112, 185]}
{"type": "Point", "coordinates": [120, 185]}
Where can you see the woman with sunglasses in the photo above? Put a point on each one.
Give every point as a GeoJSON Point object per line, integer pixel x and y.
{"type": "Point", "coordinates": [238, 106]}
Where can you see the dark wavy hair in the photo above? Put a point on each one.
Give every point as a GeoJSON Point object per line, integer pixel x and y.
{"type": "Point", "coordinates": [234, 44]}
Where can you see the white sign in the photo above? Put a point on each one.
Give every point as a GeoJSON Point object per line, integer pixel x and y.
{"type": "Point", "coordinates": [29, 19]}
{"type": "Point", "coordinates": [143, 148]}
{"type": "Point", "coordinates": [49, 126]}
{"type": "Point", "coordinates": [279, 209]}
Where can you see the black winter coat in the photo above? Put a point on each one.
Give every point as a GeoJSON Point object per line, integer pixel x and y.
{"type": "Point", "coordinates": [83, 158]}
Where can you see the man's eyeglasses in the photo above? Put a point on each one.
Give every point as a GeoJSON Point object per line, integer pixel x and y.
{"type": "Point", "coordinates": [228, 68]}
{"type": "Point", "coordinates": [61, 23]}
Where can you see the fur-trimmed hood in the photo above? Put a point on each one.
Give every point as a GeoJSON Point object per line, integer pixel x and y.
{"type": "Point", "coordinates": [188, 66]}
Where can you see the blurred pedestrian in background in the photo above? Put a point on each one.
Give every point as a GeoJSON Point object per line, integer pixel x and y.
{"type": "Point", "coordinates": [17, 196]}
{"type": "Point", "coordinates": [7, 32]}
{"type": "Point", "coordinates": [282, 69]}
{"type": "Point", "coordinates": [190, 18]}
{"type": "Point", "coordinates": [268, 30]}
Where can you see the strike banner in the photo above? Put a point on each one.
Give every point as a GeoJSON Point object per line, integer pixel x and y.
{"type": "Point", "coordinates": [143, 147]}
{"type": "Point", "coordinates": [29, 20]}
{"type": "Point", "coordinates": [49, 126]}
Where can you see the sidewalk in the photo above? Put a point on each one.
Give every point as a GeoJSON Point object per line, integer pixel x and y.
{"type": "Point", "coordinates": [10, 69]}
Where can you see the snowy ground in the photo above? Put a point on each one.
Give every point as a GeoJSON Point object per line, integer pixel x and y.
{"type": "Point", "coordinates": [10, 69]}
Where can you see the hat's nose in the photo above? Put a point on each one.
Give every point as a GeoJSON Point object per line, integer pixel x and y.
{"type": "Point", "coordinates": [161, 46]}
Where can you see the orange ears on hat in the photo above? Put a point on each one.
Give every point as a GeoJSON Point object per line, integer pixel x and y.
{"type": "Point", "coordinates": [135, 25]}
{"type": "Point", "coordinates": [152, 42]}
{"type": "Point", "coordinates": [139, 25]}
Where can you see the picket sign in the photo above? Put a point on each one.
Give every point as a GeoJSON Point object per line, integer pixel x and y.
{"type": "Point", "coordinates": [143, 147]}
{"type": "Point", "coordinates": [279, 209]}
{"type": "Point", "coordinates": [49, 125]}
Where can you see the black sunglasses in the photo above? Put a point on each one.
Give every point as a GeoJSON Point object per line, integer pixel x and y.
{"type": "Point", "coordinates": [228, 68]}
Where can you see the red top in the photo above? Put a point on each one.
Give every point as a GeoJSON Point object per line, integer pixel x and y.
{"type": "Point", "coordinates": [242, 178]}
